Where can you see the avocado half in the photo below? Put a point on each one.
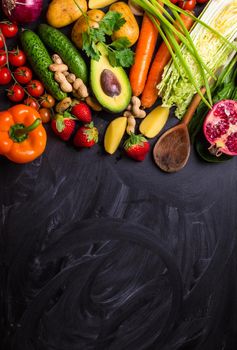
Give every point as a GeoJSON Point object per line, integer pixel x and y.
{"type": "Point", "coordinates": [109, 84]}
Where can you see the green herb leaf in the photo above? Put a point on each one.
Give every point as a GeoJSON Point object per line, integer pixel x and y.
{"type": "Point", "coordinates": [118, 51]}
{"type": "Point", "coordinates": [111, 22]}
{"type": "Point", "coordinates": [124, 57]}
{"type": "Point", "coordinates": [97, 35]}
{"type": "Point", "coordinates": [120, 44]}
{"type": "Point", "coordinates": [89, 47]}
{"type": "Point", "coordinates": [112, 58]}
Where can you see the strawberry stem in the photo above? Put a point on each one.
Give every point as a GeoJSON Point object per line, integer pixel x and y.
{"type": "Point", "coordinates": [134, 140]}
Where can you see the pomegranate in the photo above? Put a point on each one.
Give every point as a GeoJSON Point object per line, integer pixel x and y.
{"type": "Point", "coordinates": [220, 128]}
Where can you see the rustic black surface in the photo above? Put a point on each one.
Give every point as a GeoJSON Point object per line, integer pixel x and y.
{"type": "Point", "coordinates": [100, 252]}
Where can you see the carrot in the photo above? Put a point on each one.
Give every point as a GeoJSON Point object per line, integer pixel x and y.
{"type": "Point", "coordinates": [143, 55]}
{"type": "Point", "coordinates": [162, 57]}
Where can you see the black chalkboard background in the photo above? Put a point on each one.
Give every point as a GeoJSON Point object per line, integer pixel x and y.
{"type": "Point", "coordinates": [101, 252]}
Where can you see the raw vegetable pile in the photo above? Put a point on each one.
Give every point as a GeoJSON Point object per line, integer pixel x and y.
{"type": "Point", "coordinates": [145, 56]}
{"type": "Point", "coordinates": [175, 87]}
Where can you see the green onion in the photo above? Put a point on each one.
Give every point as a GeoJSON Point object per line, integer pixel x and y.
{"type": "Point", "coordinates": [162, 34]}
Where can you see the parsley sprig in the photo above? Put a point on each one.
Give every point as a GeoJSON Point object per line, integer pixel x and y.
{"type": "Point", "coordinates": [119, 53]}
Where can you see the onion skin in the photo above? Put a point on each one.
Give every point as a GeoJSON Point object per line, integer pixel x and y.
{"type": "Point", "coordinates": [22, 11]}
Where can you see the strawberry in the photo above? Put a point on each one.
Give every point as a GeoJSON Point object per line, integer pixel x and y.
{"type": "Point", "coordinates": [136, 147]}
{"type": "Point", "coordinates": [86, 136]}
{"type": "Point", "coordinates": [82, 111]}
{"type": "Point", "coordinates": [63, 126]}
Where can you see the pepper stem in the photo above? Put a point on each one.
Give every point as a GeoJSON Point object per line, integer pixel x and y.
{"type": "Point", "coordinates": [19, 132]}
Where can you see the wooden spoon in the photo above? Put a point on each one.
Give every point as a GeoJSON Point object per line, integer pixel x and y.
{"type": "Point", "coordinates": [172, 150]}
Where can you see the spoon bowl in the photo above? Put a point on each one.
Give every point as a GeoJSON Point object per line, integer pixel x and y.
{"type": "Point", "coordinates": [172, 150]}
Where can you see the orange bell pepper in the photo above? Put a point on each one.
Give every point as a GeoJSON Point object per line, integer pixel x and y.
{"type": "Point", "coordinates": [22, 136]}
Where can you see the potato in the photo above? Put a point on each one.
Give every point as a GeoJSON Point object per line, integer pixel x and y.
{"type": "Point", "coordinates": [114, 134]}
{"type": "Point", "coordinates": [130, 29]}
{"type": "Point", "coordinates": [154, 121]}
{"type": "Point", "coordinates": [81, 25]}
{"type": "Point", "coordinates": [61, 13]}
{"type": "Point", "coordinates": [99, 4]}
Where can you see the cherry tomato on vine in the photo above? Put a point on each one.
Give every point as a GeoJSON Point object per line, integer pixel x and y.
{"type": "Point", "coordinates": [1, 41]}
{"type": "Point", "coordinates": [47, 101]}
{"type": "Point", "coordinates": [202, 1]}
{"type": "Point", "coordinates": [35, 88]}
{"type": "Point", "coordinates": [9, 30]}
{"type": "Point", "coordinates": [45, 115]}
{"type": "Point", "coordinates": [23, 75]}
{"type": "Point", "coordinates": [188, 5]}
{"type": "Point", "coordinates": [30, 101]}
{"type": "Point", "coordinates": [3, 58]}
{"type": "Point", "coordinates": [5, 76]}
{"type": "Point", "coordinates": [174, 1]}
{"type": "Point", "coordinates": [15, 93]}
{"type": "Point", "coordinates": [17, 58]}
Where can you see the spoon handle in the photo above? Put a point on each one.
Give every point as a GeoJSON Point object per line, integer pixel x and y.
{"type": "Point", "coordinates": [192, 107]}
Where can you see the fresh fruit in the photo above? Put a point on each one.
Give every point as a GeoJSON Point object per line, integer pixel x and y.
{"type": "Point", "coordinates": [63, 126]}
{"type": "Point", "coordinates": [110, 85]}
{"type": "Point", "coordinates": [136, 147]}
{"type": "Point", "coordinates": [220, 128]}
{"type": "Point", "coordinates": [202, 1]}
{"type": "Point", "coordinates": [5, 76]}
{"type": "Point", "coordinates": [45, 115]}
{"type": "Point", "coordinates": [114, 134]}
{"type": "Point", "coordinates": [47, 101]}
{"type": "Point", "coordinates": [60, 44]}
{"type": "Point", "coordinates": [15, 93]}
{"type": "Point", "coordinates": [154, 122]}
{"type": "Point", "coordinates": [3, 58]}
{"type": "Point", "coordinates": [23, 75]}
{"type": "Point", "coordinates": [86, 136]}
{"type": "Point", "coordinates": [30, 101]}
{"type": "Point", "coordinates": [82, 111]}
{"type": "Point", "coordinates": [61, 13]}
{"type": "Point", "coordinates": [9, 30]}
{"type": "Point", "coordinates": [35, 88]}
{"type": "Point", "coordinates": [201, 146]}
{"type": "Point", "coordinates": [40, 60]}
{"type": "Point", "coordinates": [1, 41]}
{"type": "Point", "coordinates": [187, 5]}
{"type": "Point", "coordinates": [17, 58]}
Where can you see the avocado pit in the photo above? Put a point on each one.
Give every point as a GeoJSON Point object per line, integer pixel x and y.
{"type": "Point", "coordinates": [109, 83]}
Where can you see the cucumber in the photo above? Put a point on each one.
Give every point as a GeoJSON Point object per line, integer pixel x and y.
{"type": "Point", "coordinates": [60, 44]}
{"type": "Point", "coordinates": [40, 60]}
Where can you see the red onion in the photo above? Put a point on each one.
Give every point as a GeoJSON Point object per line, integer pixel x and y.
{"type": "Point", "coordinates": [22, 11]}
